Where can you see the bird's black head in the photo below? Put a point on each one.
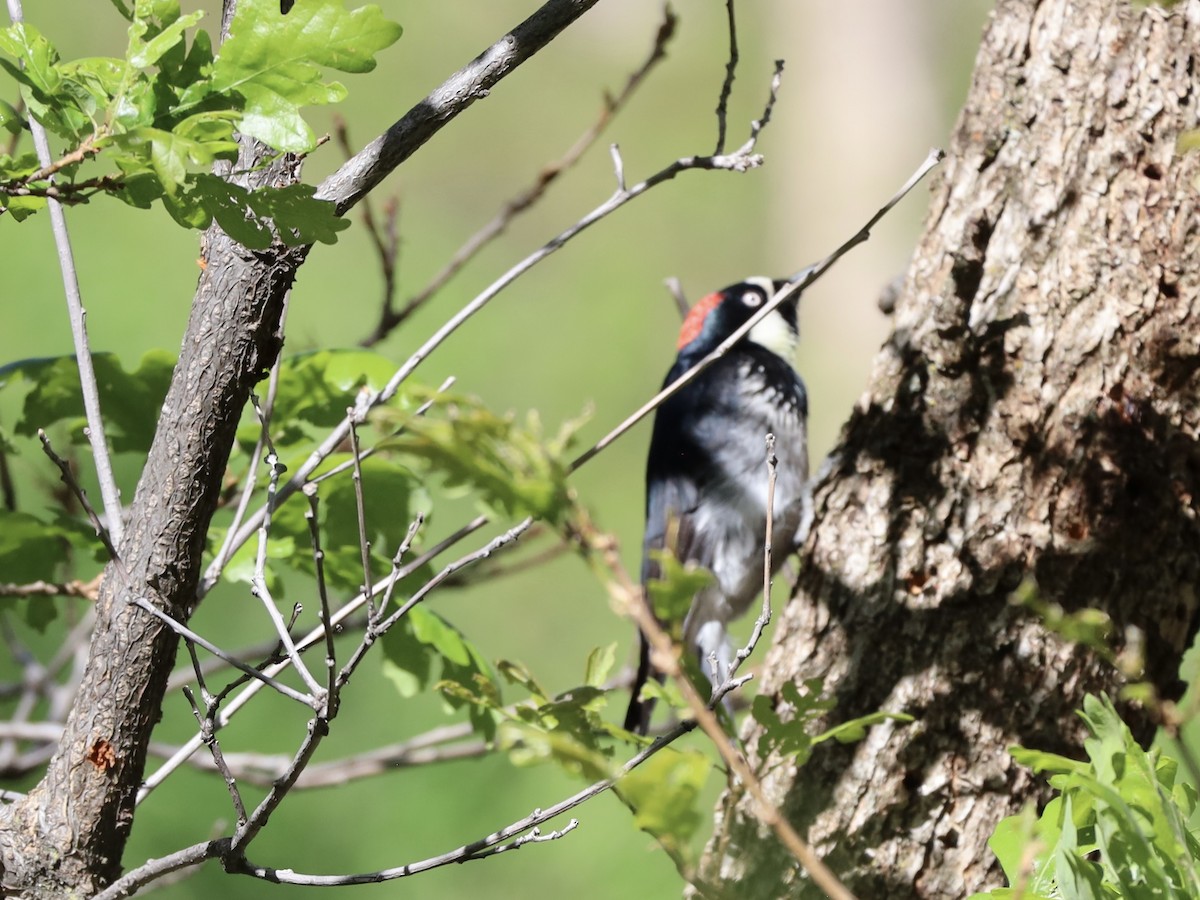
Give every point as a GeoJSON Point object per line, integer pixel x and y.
{"type": "Point", "coordinates": [715, 317]}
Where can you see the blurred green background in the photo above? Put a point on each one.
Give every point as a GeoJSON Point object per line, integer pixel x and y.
{"type": "Point", "coordinates": [869, 88]}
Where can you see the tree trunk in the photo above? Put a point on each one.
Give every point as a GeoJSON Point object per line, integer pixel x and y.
{"type": "Point", "coordinates": [67, 836]}
{"type": "Point", "coordinates": [1034, 415]}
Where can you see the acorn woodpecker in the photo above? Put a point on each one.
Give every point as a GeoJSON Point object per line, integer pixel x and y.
{"type": "Point", "coordinates": [706, 475]}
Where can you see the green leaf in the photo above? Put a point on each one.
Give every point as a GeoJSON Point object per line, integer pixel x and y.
{"type": "Point", "coordinates": [299, 217]}
{"type": "Point", "coordinates": [30, 549]}
{"type": "Point", "coordinates": [855, 730]}
{"type": "Point", "coordinates": [527, 746]}
{"type": "Point", "coordinates": [518, 675]}
{"type": "Point", "coordinates": [665, 792]}
{"type": "Point", "coordinates": [316, 389]}
{"type": "Point", "coordinates": [599, 663]}
{"type": "Point", "coordinates": [1121, 827]}
{"type": "Point", "coordinates": [37, 56]}
{"type": "Point", "coordinates": [274, 63]}
{"type": "Point", "coordinates": [129, 400]}
{"type": "Point", "coordinates": [143, 54]}
{"type": "Point", "coordinates": [421, 638]}
{"type": "Point", "coordinates": [672, 593]}
{"type": "Point", "coordinates": [790, 737]}
{"type": "Point", "coordinates": [392, 498]}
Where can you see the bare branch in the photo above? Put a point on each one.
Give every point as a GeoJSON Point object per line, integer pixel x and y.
{"type": "Point", "coordinates": [349, 184]}
{"type": "Point", "coordinates": [311, 639]}
{"type": "Point", "coordinates": [131, 882]}
{"type": "Point", "coordinates": [384, 240]}
{"type": "Point", "coordinates": [94, 431]}
{"type": "Point", "coordinates": [318, 728]}
{"type": "Point", "coordinates": [259, 586]}
{"type": "Point", "coordinates": [184, 632]}
{"type": "Point", "coordinates": [209, 736]}
{"type": "Point", "coordinates": [727, 85]}
{"type": "Point", "coordinates": [83, 589]}
{"type": "Point", "coordinates": [70, 481]}
{"type": "Point", "coordinates": [390, 319]}
{"type": "Point", "coordinates": [364, 543]}
{"type": "Point", "coordinates": [764, 617]}
{"type": "Point", "coordinates": [449, 742]}
{"type": "Point", "coordinates": [310, 491]}
{"type": "Point", "coordinates": [375, 631]}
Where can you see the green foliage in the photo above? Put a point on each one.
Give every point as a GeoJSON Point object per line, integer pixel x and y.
{"type": "Point", "coordinates": [32, 549]}
{"type": "Point", "coordinates": [792, 737]}
{"type": "Point", "coordinates": [423, 640]}
{"type": "Point", "coordinates": [671, 594]}
{"type": "Point", "coordinates": [1119, 827]}
{"type": "Point", "coordinates": [163, 114]}
{"type": "Point", "coordinates": [512, 468]}
{"type": "Point", "coordinates": [664, 793]}
{"type": "Point", "coordinates": [313, 392]}
{"type": "Point", "coordinates": [565, 728]}
{"type": "Point", "coordinates": [1090, 627]}
{"type": "Point", "coordinates": [131, 400]}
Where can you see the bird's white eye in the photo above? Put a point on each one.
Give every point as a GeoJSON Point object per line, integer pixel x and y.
{"type": "Point", "coordinates": [752, 299]}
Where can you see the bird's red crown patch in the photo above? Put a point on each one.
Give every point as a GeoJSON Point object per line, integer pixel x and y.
{"type": "Point", "coordinates": [694, 323]}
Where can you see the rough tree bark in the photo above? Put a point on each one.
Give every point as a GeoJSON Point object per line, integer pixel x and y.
{"type": "Point", "coordinates": [1034, 414]}
{"type": "Point", "coordinates": [66, 837]}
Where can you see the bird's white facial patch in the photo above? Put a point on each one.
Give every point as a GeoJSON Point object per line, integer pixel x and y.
{"type": "Point", "coordinates": [773, 332]}
{"type": "Point", "coordinates": [776, 335]}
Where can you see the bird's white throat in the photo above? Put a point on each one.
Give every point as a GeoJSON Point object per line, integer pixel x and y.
{"type": "Point", "coordinates": [776, 335]}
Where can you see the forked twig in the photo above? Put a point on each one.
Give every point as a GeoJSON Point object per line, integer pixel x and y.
{"type": "Point", "coordinates": [389, 318]}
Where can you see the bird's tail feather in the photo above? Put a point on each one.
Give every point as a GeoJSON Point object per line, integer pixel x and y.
{"type": "Point", "coordinates": [637, 716]}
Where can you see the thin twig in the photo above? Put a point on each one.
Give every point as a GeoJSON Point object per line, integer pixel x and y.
{"type": "Point", "coordinates": [109, 493]}
{"type": "Point", "coordinates": [259, 581]}
{"type": "Point", "coordinates": [84, 589]}
{"type": "Point", "coordinates": [413, 527]}
{"type": "Point", "coordinates": [74, 193]}
{"type": "Point", "coordinates": [730, 72]}
{"type": "Point", "coordinates": [184, 632]}
{"type": "Point", "coordinates": [360, 508]}
{"type": "Point", "coordinates": [314, 531]}
{"type": "Point", "coordinates": [80, 494]}
{"type": "Point", "coordinates": [445, 744]}
{"type": "Point", "coordinates": [764, 617]}
{"type": "Point", "coordinates": [386, 240]}
{"type": "Point", "coordinates": [375, 631]}
{"type": "Point", "coordinates": [133, 881]}
{"type": "Point", "coordinates": [311, 639]}
{"type": "Point", "coordinates": [318, 729]}
{"type": "Point", "coordinates": [209, 736]}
